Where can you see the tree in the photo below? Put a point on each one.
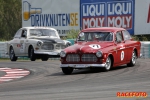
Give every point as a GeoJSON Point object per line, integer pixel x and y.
{"type": "Point", "coordinates": [10, 18]}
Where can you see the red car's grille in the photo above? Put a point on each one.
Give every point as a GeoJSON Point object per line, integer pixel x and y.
{"type": "Point", "coordinates": [73, 58]}
{"type": "Point", "coordinates": [88, 58]}
{"type": "Point", "coordinates": [84, 58]}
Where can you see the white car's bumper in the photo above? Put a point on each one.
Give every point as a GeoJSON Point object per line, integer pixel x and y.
{"type": "Point", "coordinates": [82, 65]}
{"type": "Point", "coordinates": [47, 53]}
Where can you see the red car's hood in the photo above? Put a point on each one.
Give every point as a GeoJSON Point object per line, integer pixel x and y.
{"type": "Point", "coordinates": [88, 47]}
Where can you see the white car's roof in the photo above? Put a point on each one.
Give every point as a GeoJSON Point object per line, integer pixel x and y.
{"type": "Point", "coordinates": [39, 28]}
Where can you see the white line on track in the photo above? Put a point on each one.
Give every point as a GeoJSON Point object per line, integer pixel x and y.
{"type": "Point", "coordinates": [13, 73]}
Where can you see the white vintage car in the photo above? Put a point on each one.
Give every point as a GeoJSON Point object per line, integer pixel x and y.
{"type": "Point", "coordinates": [35, 43]}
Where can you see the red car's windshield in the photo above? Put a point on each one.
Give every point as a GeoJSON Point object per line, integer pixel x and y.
{"type": "Point", "coordinates": [95, 36]}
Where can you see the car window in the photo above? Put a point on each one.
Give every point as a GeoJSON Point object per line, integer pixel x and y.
{"type": "Point", "coordinates": [119, 36]}
{"type": "Point", "coordinates": [126, 35]}
{"type": "Point", "coordinates": [92, 36]}
{"type": "Point", "coordinates": [42, 32]}
{"type": "Point", "coordinates": [109, 37]}
{"type": "Point", "coordinates": [18, 34]}
{"type": "Point", "coordinates": [24, 33]}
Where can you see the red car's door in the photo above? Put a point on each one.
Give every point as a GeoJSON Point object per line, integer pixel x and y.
{"type": "Point", "coordinates": [128, 44]}
{"type": "Point", "coordinates": [121, 52]}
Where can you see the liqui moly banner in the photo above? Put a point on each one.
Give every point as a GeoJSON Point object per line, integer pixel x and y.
{"type": "Point", "coordinates": [102, 13]}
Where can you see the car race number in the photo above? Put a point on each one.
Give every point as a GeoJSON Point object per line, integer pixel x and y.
{"type": "Point", "coordinates": [95, 46]}
{"type": "Point", "coordinates": [22, 46]}
{"type": "Point", "coordinates": [122, 55]}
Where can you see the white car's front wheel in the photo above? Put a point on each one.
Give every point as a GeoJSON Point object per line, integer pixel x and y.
{"type": "Point", "coordinates": [12, 54]}
{"type": "Point", "coordinates": [44, 58]}
{"type": "Point", "coordinates": [31, 54]}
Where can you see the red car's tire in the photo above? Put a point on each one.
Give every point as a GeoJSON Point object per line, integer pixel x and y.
{"type": "Point", "coordinates": [108, 64]}
{"type": "Point", "coordinates": [67, 70]}
{"type": "Point", "coordinates": [133, 59]}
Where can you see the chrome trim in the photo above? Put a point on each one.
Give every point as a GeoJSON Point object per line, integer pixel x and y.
{"type": "Point", "coordinates": [48, 53]}
{"type": "Point", "coordinates": [122, 48]}
{"type": "Point", "coordinates": [82, 65]}
{"type": "Point", "coordinates": [141, 55]}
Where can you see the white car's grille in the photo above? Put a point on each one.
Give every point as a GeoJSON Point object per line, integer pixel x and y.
{"type": "Point", "coordinates": [47, 46]}
{"type": "Point", "coordinates": [59, 46]}
{"type": "Point", "coordinates": [88, 58]}
{"type": "Point", "coordinates": [73, 58]}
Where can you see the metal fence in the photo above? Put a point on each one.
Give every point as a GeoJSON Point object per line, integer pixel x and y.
{"type": "Point", "coordinates": [145, 49]}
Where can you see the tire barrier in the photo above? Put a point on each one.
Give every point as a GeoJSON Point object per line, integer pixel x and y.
{"type": "Point", "coordinates": [145, 49]}
{"type": "Point", "coordinates": [3, 50]}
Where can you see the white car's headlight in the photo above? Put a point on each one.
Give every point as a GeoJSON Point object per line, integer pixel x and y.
{"type": "Point", "coordinates": [62, 54]}
{"type": "Point", "coordinates": [99, 54]}
{"type": "Point", "coordinates": [39, 43]}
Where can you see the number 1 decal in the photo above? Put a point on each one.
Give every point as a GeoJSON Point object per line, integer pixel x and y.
{"type": "Point", "coordinates": [122, 55]}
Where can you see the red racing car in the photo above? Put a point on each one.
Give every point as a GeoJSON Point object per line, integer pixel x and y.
{"type": "Point", "coordinates": [104, 47]}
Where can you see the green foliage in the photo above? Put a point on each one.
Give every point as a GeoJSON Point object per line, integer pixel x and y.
{"type": "Point", "coordinates": [141, 37]}
{"type": "Point", "coordinates": [10, 18]}
{"type": "Point", "coordinates": [72, 34]}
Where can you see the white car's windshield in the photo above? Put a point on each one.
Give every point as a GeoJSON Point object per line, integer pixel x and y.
{"type": "Point", "coordinates": [42, 32]}
{"type": "Point", "coordinates": [92, 36]}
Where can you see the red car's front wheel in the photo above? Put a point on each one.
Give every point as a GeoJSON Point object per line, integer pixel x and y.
{"type": "Point", "coordinates": [67, 70]}
{"type": "Point", "coordinates": [108, 64]}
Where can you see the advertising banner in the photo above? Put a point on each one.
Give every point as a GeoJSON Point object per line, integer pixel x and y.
{"type": "Point", "coordinates": [142, 17]}
{"type": "Point", "coordinates": [62, 15]}
{"type": "Point", "coordinates": [103, 13]}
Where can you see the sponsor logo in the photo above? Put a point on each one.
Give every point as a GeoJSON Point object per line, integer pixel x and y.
{"type": "Point", "coordinates": [28, 10]}
{"type": "Point", "coordinates": [109, 13]}
{"type": "Point", "coordinates": [40, 19]}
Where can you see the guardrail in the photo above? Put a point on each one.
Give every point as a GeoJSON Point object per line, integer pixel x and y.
{"type": "Point", "coordinates": [145, 49]}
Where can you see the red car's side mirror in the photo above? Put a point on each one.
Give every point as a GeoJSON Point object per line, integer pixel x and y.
{"type": "Point", "coordinates": [75, 41]}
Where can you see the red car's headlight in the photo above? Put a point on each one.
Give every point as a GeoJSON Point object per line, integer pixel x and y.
{"type": "Point", "coordinates": [62, 54]}
{"type": "Point", "coordinates": [99, 54]}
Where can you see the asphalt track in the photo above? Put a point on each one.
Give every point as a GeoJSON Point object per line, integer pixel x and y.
{"type": "Point", "coordinates": [2, 73]}
{"type": "Point", "coordinates": [47, 82]}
